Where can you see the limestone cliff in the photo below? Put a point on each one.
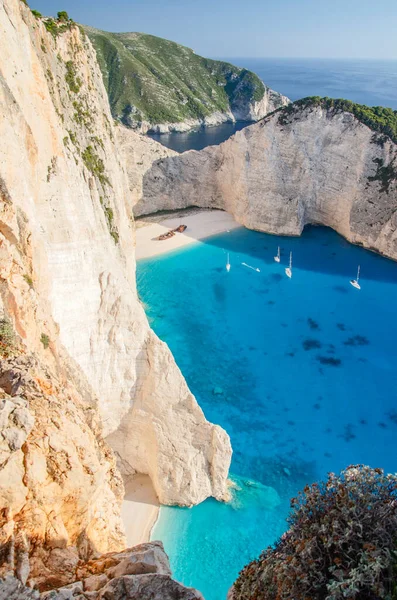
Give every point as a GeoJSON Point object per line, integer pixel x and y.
{"type": "Point", "coordinates": [78, 361]}
{"type": "Point", "coordinates": [138, 153]}
{"type": "Point", "coordinates": [62, 170]}
{"type": "Point", "coordinates": [295, 167]}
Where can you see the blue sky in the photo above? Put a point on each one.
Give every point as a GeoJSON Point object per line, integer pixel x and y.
{"type": "Point", "coordinates": [249, 28]}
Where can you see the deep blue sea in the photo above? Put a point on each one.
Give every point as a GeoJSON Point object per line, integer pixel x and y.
{"type": "Point", "coordinates": [370, 82]}
{"type": "Point", "coordinates": [301, 373]}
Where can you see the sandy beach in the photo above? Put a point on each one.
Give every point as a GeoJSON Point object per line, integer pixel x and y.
{"type": "Point", "coordinates": [200, 224]}
{"type": "Point", "coordinates": [139, 510]}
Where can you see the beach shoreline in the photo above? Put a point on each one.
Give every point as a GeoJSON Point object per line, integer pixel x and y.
{"type": "Point", "coordinates": [200, 225]}
{"type": "Point", "coordinates": [140, 509]}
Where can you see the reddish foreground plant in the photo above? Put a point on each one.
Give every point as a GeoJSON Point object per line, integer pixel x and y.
{"type": "Point", "coordinates": [341, 543]}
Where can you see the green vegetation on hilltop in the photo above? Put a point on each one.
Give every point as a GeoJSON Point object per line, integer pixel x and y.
{"type": "Point", "coordinates": [377, 118]}
{"type": "Point", "coordinates": [152, 79]}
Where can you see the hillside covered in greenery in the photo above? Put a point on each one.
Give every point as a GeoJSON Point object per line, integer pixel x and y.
{"type": "Point", "coordinates": [152, 79]}
{"type": "Point", "coordinates": [378, 118]}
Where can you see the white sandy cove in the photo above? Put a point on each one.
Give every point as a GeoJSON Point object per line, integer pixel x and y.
{"type": "Point", "coordinates": [199, 225]}
{"type": "Point", "coordinates": [139, 510]}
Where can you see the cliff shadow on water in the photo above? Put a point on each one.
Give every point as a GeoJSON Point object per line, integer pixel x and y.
{"type": "Point", "coordinates": [313, 251]}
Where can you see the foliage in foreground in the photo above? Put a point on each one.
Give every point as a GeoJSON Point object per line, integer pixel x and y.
{"type": "Point", "coordinates": [341, 543]}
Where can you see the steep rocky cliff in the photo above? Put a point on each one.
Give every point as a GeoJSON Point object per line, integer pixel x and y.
{"type": "Point", "coordinates": [298, 166]}
{"type": "Point", "coordinates": [157, 85]}
{"type": "Point", "coordinates": [79, 361]}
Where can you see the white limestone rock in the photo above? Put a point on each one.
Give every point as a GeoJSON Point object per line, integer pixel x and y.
{"type": "Point", "coordinates": [67, 222]}
{"type": "Point", "coordinates": [312, 167]}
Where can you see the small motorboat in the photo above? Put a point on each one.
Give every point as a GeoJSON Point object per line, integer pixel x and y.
{"type": "Point", "coordinates": [228, 265]}
{"type": "Point", "coordinates": [354, 282]}
{"type": "Point", "coordinates": [288, 270]}
{"type": "Point", "coordinates": [249, 267]}
{"type": "Point", "coordinates": [277, 258]}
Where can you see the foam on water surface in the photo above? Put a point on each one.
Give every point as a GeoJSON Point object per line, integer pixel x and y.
{"type": "Point", "coordinates": [300, 372]}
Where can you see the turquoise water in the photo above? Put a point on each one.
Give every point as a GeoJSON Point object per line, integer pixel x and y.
{"type": "Point", "coordinates": [300, 372]}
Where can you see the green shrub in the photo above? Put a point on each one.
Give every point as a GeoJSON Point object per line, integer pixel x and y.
{"type": "Point", "coordinates": [28, 280]}
{"type": "Point", "coordinates": [95, 164]}
{"type": "Point", "coordinates": [62, 24]}
{"type": "Point", "coordinates": [341, 543]}
{"type": "Point", "coordinates": [51, 26]}
{"type": "Point", "coordinates": [109, 215]}
{"type": "Point", "coordinates": [115, 236]}
{"type": "Point", "coordinates": [377, 118]}
{"type": "Point", "coordinates": [73, 138]}
{"type": "Point", "coordinates": [36, 13]}
{"type": "Point", "coordinates": [8, 341]}
{"type": "Point", "coordinates": [45, 340]}
{"type": "Point", "coordinates": [63, 16]}
{"type": "Point", "coordinates": [72, 80]}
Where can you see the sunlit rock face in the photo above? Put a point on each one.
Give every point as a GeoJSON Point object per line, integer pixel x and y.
{"type": "Point", "coordinates": [140, 573]}
{"type": "Point", "coordinates": [311, 166]}
{"type": "Point", "coordinates": [79, 361]}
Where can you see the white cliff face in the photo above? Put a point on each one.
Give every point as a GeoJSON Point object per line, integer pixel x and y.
{"type": "Point", "coordinates": [256, 110]}
{"type": "Point", "coordinates": [312, 166]}
{"type": "Point", "coordinates": [138, 153]}
{"type": "Point", "coordinates": [62, 174]}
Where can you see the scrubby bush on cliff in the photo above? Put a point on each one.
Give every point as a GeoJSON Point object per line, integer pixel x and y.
{"type": "Point", "coordinates": [8, 340]}
{"type": "Point", "coordinates": [377, 118]}
{"type": "Point", "coordinates": [341, 543]}
{"type": "Point", "coordinates": [63, 16]}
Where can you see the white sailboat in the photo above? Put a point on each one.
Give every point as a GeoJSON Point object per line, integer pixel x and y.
{"type": "Point", "coordinates": [277, 258]}
{"type": "Point", "coordinates": [354, 282]}
{"type": "Point", "coordinates": [288, 270]}
{"type": "Point", "coordinates": [228, 263]}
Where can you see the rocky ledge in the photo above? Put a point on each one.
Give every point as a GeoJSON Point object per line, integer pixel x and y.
{"type": "Point", "coordinates": [139, 573]}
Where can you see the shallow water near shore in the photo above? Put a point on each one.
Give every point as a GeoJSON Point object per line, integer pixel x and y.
{"type": "Point", "coordinates": [300, 372]}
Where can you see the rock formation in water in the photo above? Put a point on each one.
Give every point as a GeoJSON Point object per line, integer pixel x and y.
{"type": "Point", "coordinates": [79, 362]}
{"type": "Point", "coordinates": [302, 165]}
{"type": "Point", "coordinates": [157, 85]}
